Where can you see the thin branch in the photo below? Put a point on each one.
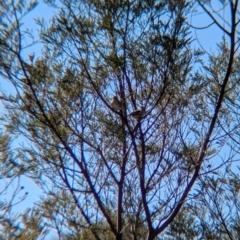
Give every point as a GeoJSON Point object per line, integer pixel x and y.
{"type": "Point", "coordinates": [213, 18]}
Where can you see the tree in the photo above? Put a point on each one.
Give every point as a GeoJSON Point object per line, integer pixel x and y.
{"type": "Point", "coordinates": [122, 129]}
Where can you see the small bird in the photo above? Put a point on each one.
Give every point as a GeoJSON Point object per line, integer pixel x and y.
{"type": "Point", "coordinates": [115, 103]}
{"type": "Point", "coordinates": [137, 114]}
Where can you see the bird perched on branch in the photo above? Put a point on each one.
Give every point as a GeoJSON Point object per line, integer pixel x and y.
{"type": "Point", "coordinates": [137, 114]}
{"type": "Point", "coordinates": [115, 103]}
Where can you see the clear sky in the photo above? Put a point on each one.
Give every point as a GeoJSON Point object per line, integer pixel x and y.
{"type": "Point", "coordinates": [206, 38]}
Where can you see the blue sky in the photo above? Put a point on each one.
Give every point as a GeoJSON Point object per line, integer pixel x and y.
{"type": "Point", "coordinates": [207, 38]}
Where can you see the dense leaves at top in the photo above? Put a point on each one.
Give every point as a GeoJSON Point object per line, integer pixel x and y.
{"type": "Point", "coordinates": [105, 173]}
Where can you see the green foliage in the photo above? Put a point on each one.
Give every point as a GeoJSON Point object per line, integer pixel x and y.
{"type": "Point", "coordinates": [104, 174]}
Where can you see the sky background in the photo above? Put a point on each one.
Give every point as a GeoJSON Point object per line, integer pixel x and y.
{"type": "Point", "coordinates": [207, 39]}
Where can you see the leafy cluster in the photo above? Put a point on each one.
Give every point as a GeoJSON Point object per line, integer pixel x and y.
{"type": "Point", "coordinates": [104, 174]}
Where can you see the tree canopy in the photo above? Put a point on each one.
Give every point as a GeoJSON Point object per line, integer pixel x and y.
{"type": "Point", "coordinates": [130, 131]}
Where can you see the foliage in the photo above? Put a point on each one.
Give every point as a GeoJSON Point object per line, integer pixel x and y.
{"type": "Point", "coordinates": [103, 173]}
